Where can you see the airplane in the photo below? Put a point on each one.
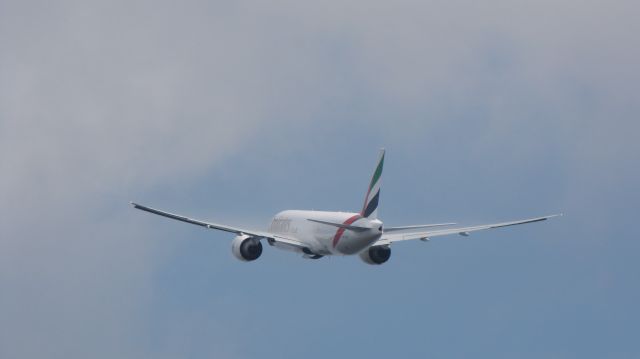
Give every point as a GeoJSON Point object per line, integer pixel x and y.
{"type": "Point", "coordinates": [316, 234]}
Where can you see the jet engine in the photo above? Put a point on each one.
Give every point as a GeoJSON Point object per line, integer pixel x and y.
{"type": "Point", "coordinates": [376, 254]}
{"type": "Point", "coordinates": [246, 248]}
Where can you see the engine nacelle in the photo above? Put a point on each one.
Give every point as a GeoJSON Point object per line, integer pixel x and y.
{"type": "Point", "coordinates": [246, 248]}
{"type": "Point", "coordinates": [376, 254]}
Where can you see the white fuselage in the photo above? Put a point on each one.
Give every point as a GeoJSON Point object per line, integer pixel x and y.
{"type": "Point", "coordinates": [326, 239]}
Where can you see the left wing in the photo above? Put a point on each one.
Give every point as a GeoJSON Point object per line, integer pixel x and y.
{"type": "Point", "coordinates": [387, 239]}
{"type": "Point", "coordinates": [239, 231]}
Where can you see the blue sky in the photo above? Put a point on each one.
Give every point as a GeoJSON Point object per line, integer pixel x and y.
{"type": "Point", "coordinates": [233, 111]}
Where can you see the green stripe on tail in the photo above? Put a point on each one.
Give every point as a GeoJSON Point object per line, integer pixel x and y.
{"type": "Point", "coordinates": [370, 207]}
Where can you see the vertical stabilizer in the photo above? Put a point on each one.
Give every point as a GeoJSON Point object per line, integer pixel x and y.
{"type": "Point", "coordinates": [370, 208]}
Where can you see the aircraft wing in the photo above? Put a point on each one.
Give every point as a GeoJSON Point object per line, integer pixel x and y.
{"type": "Point", "coordinates": [240, 231]}
{"type": "Point", "coordinates": [387, 239]}
{"type": "Point", "coordinates": [404, 228]}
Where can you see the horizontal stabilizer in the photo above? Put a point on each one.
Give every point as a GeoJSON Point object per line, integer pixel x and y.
{"type": "Point", "coordinates": [341, 225]}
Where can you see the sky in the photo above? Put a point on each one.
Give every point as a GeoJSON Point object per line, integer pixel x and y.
{"type": "Point", "coordinates": [234, 110]}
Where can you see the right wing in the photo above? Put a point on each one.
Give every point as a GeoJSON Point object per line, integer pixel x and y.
{"type": "Point", "coordinates": [404, 228]}
{"type": "Point", "coordinates": [463, 231]}
{"type": "Point", "coordinates": [239, 231]}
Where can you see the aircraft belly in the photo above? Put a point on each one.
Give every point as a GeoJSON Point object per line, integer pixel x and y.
{"type": "Point", "coordinates": [353, 244]}
{"type": "Point", "coordinates": [323, 240]}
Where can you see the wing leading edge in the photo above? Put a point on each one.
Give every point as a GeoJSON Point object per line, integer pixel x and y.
{"type": "Point", "coordinates": [463, 231]}
{"type": "Point", "coordinates": [239, 231]}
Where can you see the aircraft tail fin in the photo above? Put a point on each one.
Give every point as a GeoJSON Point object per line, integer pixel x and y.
{"type": "Point", "coordinates": [370, 207]}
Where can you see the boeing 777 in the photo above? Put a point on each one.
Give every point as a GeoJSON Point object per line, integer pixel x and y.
{"type": "Point", "coordinates": [316, 234]}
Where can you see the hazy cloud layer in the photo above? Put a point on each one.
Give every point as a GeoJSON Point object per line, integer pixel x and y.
{"type": "Point", "coordinates": [106, 101]}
